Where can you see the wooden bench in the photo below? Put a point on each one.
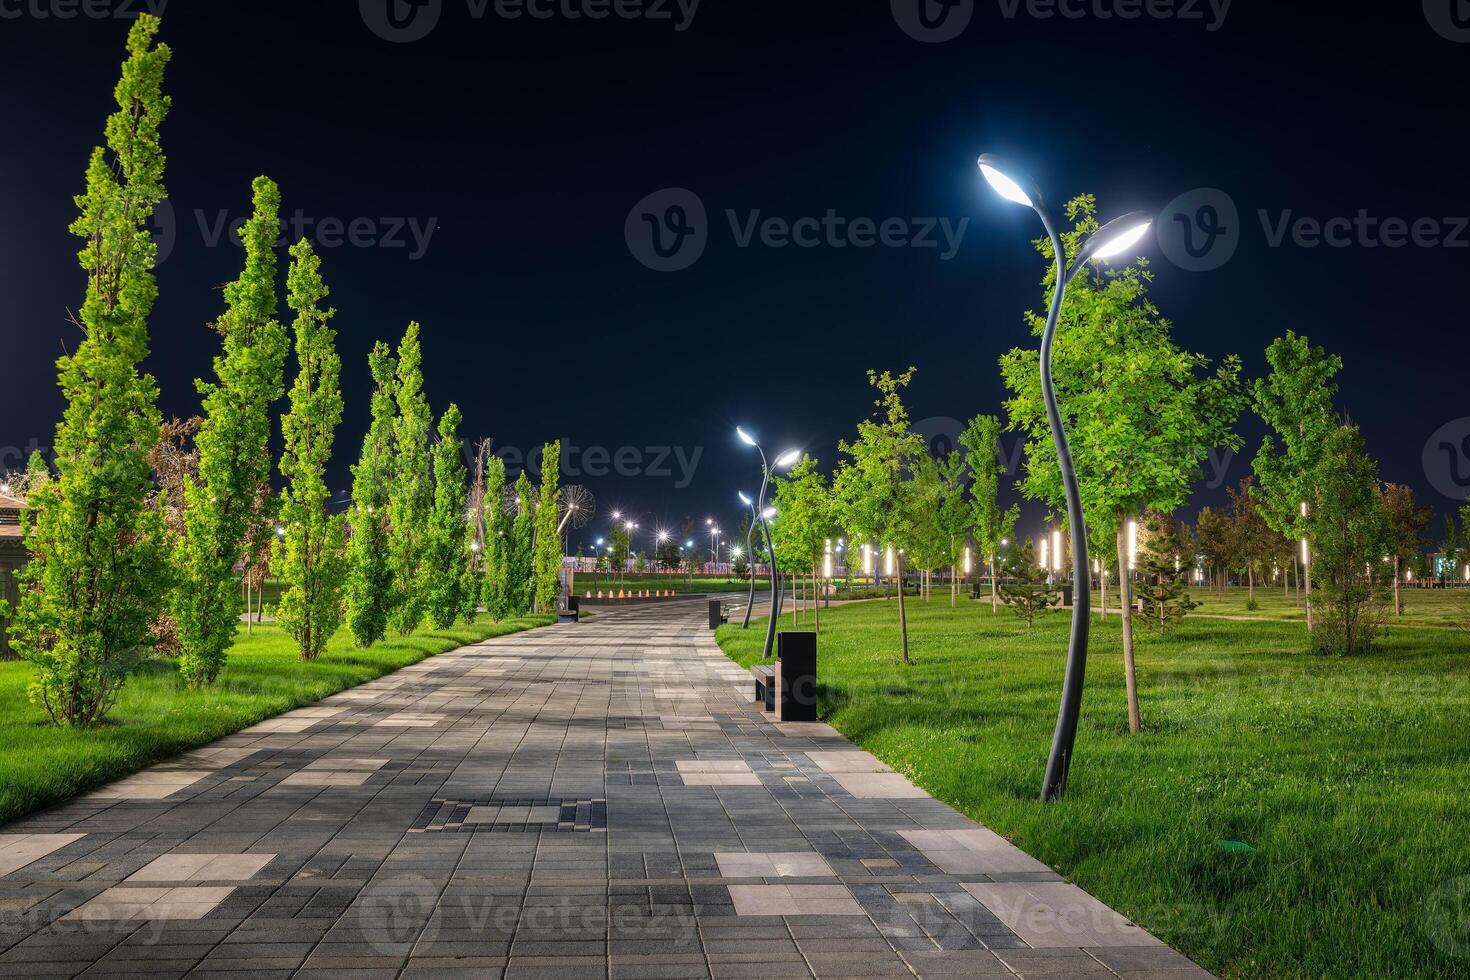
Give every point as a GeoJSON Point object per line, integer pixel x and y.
{"type": "Point", "coordinates": [765, 684]}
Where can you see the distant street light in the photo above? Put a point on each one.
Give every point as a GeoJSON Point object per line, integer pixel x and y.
{"type": "Point", "coordinates": [1113, 238]}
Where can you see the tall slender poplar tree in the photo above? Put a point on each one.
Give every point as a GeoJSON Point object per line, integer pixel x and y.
{"type": "Point", "coordinates": [411, 497]}
{"type": "Point", "coordinates": [309, 558]}
{"type": "Point", "coordinates": [547, 562]}
{"type": "Point", "coordinates": [99, 569]}
{"type": "Point", "coordinates": [498, 544]}
{"type": "Point", "coordinates": [447, 551]}
{"type": "Point", "coordinates": [371, 595]}
{"type": "Point", "coordinates": [233, 445]}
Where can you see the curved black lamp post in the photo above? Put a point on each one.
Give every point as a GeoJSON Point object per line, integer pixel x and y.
{"type": "Point", "coordinates": [761, 512]}
{"type": "Point", "coordinates": [1111, 239]}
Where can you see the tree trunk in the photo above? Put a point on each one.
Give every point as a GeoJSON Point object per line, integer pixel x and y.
{"type": "Point", "coordinates": [994, 585]}
{"type": "Point", "coordinates": [1398, 598]}
{"type": "Point", "coordinates": [1307, 588]}
{"type": "Point", "coordinates": [1125, 595]}
{"type": "Point", "coordinates": [903, 616]}
{"type": "Point", "coordinates": [1102, 591]}
{"type": "Point", "coordinates": [816, 601]}
{"type": "Point", "coordinates": [1251, 578]}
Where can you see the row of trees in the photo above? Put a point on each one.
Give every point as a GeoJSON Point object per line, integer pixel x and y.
{"type": "Point", "coordinates": [1142, 416]}
{"type": "Point", "coordinates": [121, 564]}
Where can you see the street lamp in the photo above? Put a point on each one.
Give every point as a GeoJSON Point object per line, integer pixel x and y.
{"type": "Point", "coordinates": [760, 512]}
{"type": "Point", "coordinates": [1111, 239]}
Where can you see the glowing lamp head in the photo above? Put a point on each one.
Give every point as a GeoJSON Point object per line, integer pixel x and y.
{"type": "Point", "coordinates": [746, 500]}
{"type": "Point", "coordinates": [788, 458]}
{"type": "Point", "coordinates": [1118, 236]}
{"type": "Point", "coordinates": [769, 513]}
{"type": "Point", "coordinates": [1009, 182]}
{"type": "Point", "coordinates": [744, 436]}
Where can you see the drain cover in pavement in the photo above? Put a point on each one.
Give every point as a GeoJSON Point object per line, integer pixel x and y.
{"type": "Point", "coordinates": [512, 816]}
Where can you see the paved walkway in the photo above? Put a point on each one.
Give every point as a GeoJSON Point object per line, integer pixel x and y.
{"type": "Point", "coordinates": [602, 799]}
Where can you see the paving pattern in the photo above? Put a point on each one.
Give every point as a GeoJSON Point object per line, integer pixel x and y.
{"type": "Point", "coordinates": [601, 799]}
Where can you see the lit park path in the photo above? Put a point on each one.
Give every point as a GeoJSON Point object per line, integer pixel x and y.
{"type": "Point", "coordinates": [591, 800]}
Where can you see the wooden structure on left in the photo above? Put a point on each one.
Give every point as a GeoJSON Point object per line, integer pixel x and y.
{"type": "Point", "coordinates": [12, 560]}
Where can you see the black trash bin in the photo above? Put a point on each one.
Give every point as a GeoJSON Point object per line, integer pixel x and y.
{"type": "Point", "coordinates": [796, 676]}
{"type": "Point", "coordinates": [570, 611]}
{"type": "Point", "coordinates": [716, 614]}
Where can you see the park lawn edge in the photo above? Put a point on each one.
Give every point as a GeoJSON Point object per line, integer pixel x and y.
{"type": "Point", "coordinates": [147, 744]}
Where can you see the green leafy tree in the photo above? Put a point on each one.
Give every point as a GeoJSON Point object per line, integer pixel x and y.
{"type": "Point", "coordinates": [1253, 543]}
{"type": "Point", "coordinates": [99, 567]}
{"type": "Point", "coordinates": [953, 516]}
{"type": "Point", "coordinates": [1164, 560]}
{"type": "Point", "coordinates": [1295, 402]}
{"type": "Point", "coordinates": [446, 543]}
{"type": "Point", "coordinates": [1026, 588]}
{"type": "Point", "coordinates": [1141, 414]}
{"type": "Point", "coordinates": [1349, 531]}
{"type": "Point", "coordinates": [233, 449]}
{"type": "Point", "coordinates": [498, 542]}
{"type": "Point", "coordinates": [411, 497]}
{"type": "Point", "coordinates": [371, 590]}
{"type": "Point", "coordinates": [309, 556]}
{"type": "Point", "coordinates": [988, 522]}
{"type": "Point", "coordinates": [871, 487]}
{"type": "Point", "coordinates": [804, 502]}
{"type": "Point", "coordinates": [1448, 565]}
{"type": "Point", "coordinates": [521, 550]}
{"type": "Point", "coordinates": [548, 555]}
{"type": "Point", "coordinates": [1217, 541]}
{"type": "Point", "coordinates": [619, 547]}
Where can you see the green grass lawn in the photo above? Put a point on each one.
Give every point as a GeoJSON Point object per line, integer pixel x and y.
{"type": "Point", "coordinates": [158, 717]}
{"type": "Point", "coordinates": [678, 583]}
{"type": "Point", "coordinates": [1422, 607]}
{"type": "Point", "coordinates": [1350, 778]}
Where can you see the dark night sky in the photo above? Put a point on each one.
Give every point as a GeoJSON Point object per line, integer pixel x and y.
{"type": "Point", "coordinates": [530, 141]}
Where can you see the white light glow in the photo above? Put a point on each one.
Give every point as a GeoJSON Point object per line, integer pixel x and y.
{"type": "Point", "coordinates": [867, 560]}
{"type": "Point", "coordinates": [769, 513]}
{"type": "Point", "coordinates": [967, 561]}
{"type": "Point", "coordinates": [789, 458]}
{"type": "Point", "coordinates": [1132, 545]}
{"type": "Point", "coordinates": [744, 436]}
{"type": "Point", "coordinates": [1056, 551]}
{"type": "Point", "coordinates": [1045, 553]}
{"type": "Point", "coordinates": [1004, 186]}
{"type": "Point", "coordinates": [888, 562]}
{"type": "Point", "coordinates": [745, 500]}
{"type": "Point", "coordinates": [1122, 242]}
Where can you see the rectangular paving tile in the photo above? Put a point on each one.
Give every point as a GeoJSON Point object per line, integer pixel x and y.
{"type": "Point", "coordinates": [792, 864]}
{"type": "Point", "coordinates": [128, 904]}
{"type": "Point", "coordinates": [879, 786]}
{"type": "Point", "coordinates": [1057, 914]}
{"type": "Point", "coordinates": [794, 900]}
{"type": "Point", "coordinates": [972, 851]}
{"type": "Point", "coordinates": [19, 850]}
{"type": "Point", "coordinates": [202, 867]}
{"type": "Point", "coordinates": [150, 784]}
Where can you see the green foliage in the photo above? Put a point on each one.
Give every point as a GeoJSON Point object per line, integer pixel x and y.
{"type": "Point", "coordinates": [498, 542]}
{"type": "Point", "coordinates": [520, 558]}
{"type": "Point", "coordinates": [1164, 563]}
{"type": "Point", "coordinates": [411, 496]}
{"type": "Point", "coordinates": [804, 521]}
{"type": "Point", "coordinates": [988, 523]}
{"type": "Point", "coordinates": [1026, 588]}
{"type": "Point", "coordinates": [309, 558]}
{"type": "Point", "coordinates": [99, 569]}
{"type": "Point", "coordinates": [620, 548]}
{"type": "Point", "coordinates": [371, 590]}
{"type": "Point", "coordinates": [1216, 531]}
{"type": "Point", "coordinates": [547, 563]}
{"type": "Point", "coordinates": [447, 554]}
{"type": "Point", "coordinates": [1295, 402]}
{"type": "Point", "coordinates": [1348, 531]}
{"type": "Point", "coordinates": [223, 502]}
{"type": "Point", "coordinates": [872, 487]}
{"type": "Point", "coordinates": [1253, 543]}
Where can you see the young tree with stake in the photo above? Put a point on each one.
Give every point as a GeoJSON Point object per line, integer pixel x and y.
{"type": "Point", "coordinates": [989, 523]}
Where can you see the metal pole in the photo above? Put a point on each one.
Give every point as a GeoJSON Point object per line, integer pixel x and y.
{"type": "Point", "coordinates": [1059, 762]}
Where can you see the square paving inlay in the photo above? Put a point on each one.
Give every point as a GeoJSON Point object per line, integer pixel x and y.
{"type": "Point", "coordinates": [972, 851]}
{"type": "Point", "coordinates": [879, 786]}
{"type": "Point", "coordinates": [150, 784]}
{"type": "Point", "coordinates": [127, 904]}
{"type": "Point", "coordinates": [512, 816]}
{"type": "Point", "coordinates": [202, 867]}
{"type": "Point", "coordinates": [19, 850]}
{"type": "Point", "coordinates": [792, 864]}
{"type": "Point", "coordinates": [794, 900]}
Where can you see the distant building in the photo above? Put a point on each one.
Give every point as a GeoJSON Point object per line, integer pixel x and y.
{"type": "Point", "coordinates": [12, 560]}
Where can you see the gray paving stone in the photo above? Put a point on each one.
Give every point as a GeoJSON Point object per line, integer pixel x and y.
{"type": "Point", "coordinates": [594, 800]}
